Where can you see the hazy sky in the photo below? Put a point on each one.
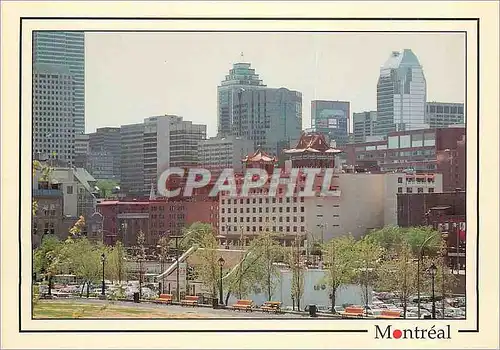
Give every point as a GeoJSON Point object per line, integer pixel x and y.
{"type": "Point", "coordinates": [131, 76]}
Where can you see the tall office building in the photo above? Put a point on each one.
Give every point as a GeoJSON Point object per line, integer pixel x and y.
{"type": "Point", "coordinates": [225, 152]}
{"type": "Point", "coordinates": [240, 78]}
{"type": "Point", "coordinates": [65, 48]}
{"type": "Point", "coordinates": [443, 114]}
{"type": "Point", "coordinates": [149, 148]}
{"type": "Point", "coordinates": [331, 118]}
{"type": "Point", "coordinates": [52, 109]}
{"type": "Point", "coordinates": [270, 117]}
{"type": "Point", "coordinates": [104, 154]}
{"type": "Point", "coordinates": [401, 94]}
{"type": "Point", "coordinates": [132, 159]}
{"type": "Point", "coordinates": [364, 125]}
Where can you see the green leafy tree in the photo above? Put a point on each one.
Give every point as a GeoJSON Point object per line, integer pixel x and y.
{"type": "Point", "coordinates": [270, 251]}
{"type": "Point", "coordinates": [106, 187]}
{"type": "Point", "coordinates": [84, 258]}
{"type": "Point", "coordinates": [208, 270]}
{"type": "Point", "coordinates": [47, 258]}
{"type": "Point", "coordinates": [399, 275]}
{"type": "Point", "coordinates": [339, 264]}
{"type": "Point", "coordinates": [195, 234]}
{"type": "Point", "coordinates": [367, 261]}
{"type": "Point", "coordinates": [297, 285]}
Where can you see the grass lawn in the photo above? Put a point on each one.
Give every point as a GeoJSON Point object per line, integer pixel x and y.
{"type": "Point", "coordinates": [44, 309]}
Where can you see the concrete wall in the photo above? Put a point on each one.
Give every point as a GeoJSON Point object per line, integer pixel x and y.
{"type": "Point", "coordinates": [320, 295]}
{"type": "Point", "coordinates": [361, 203]}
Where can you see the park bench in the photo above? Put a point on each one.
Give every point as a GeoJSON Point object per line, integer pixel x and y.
{"type": "Point", "coordinates": [352, 311]}
{"type": "Point", "coordinates": [389, 314]}
{"type": "Point", "coordinates": [269, 306]}
{"type": "Point", "coordinates": [191, 300]}
{"type": "Point", "coordinates": [243, 305]}
{"type": "Point", "coordinates": [165, 299]}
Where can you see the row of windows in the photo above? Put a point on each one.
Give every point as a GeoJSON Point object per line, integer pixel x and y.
{"type": "Point", "coordinates": [260, 210]}
{"type": "Point", "coordinates": [263, 200]}
{"type": "Point", "coordinates": [419, 190]}
{"type": "Point", "coordinates": [261, 229]}
{"type": "Point", "coordinates": [259, 219]}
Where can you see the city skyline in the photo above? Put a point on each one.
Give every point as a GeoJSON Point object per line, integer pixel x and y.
{"type": "Point", "coordinates": [160, 86]}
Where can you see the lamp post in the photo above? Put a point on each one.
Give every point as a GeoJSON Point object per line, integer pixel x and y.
{"type": "Point", "coordinates": [103, 260]}
{"type": "Point", "coordinates": [432, 272]}
{"type": "Point", "coordinates": [221, 262]}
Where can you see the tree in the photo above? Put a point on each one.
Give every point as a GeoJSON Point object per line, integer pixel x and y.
{"type": "Point", "coordinates": [77, 230]}
{"type": "Point", "coordinates": [45, 171]}
{"type": "Point", "coordinates": [163, 244]}
{"type": "Point", "coordinates": [270, 252]}
{"type": "Point", "coordinates": [195, 234]}
{"type": "Point", "coordinates": [84, 259]}
{"type": "Point", "coordinates": [115, 256]}
{"type": "Point", "coordinates": [339, 264]}
{"type": "Point", "coordinates": [141, 255]}
{"type": "Point", "coordinates": [47, 258]}
{"type": "Point", "coordinates": [366, 261]}
{"type": "Point", "coordinates": [106, 187]}
{"type": "Point", "coordinates": [297, 285]}
{"type": "Point", "coordinates": [208, 270]}
{"type": "Point", "coordinates": [400, 275]}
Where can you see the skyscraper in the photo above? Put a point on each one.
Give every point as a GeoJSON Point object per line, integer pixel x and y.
{"type": "Point", "coordinates": [363, 125]}
{"type": "Point", "coordinates": [331, 118]}
{"type": "Point", "coordinates": [52, 110]}
{"type": "Point", "coordinates": [65, 48]}
{"type": "Point", "coordinates": [240, 78]}
{"type": "Point", "coordinates": [270, 117]}
{"type": "Point", "coordinates": [401, 94]}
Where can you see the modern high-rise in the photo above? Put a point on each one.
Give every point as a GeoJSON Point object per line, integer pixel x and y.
{"type": "Point", "coordinates": [331, 118]}
{"type": "Point", "coordinates": [132, 159]}
{"type": "Point", "coordinates": [105, 153]}
{"type": "Point", "coordinates": [65, 48]}
{"type": "Point", "coordinates": [52, 109]}
{"type": "Point", "coordinates": [225, 152]}
{"type": "Point", "coordinates": [364, 125]}
{"type": "Point", "coordinates": [443, 114]}
{"type": "Point", "coordinates": [149, 148]}
{"type": "Point", "coordinates": [401, 94]}
{"type": "Point", "coordinates": [270, 117]}
{"type": "Point", "coordinates": [240, 78]}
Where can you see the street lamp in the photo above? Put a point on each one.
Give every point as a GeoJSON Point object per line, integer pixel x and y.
{"type": "Point", "coordinates": [432, 272]}
{"type": "Point", "coordinates": [103, 260]}
{"type": "Point", "coordinates": [221, 262]}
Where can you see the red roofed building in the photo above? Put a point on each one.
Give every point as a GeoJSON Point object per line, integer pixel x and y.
{"type": "Point", "coordinates": [312, 151]}
{"type": "Point", "coordinates": [260, 159]}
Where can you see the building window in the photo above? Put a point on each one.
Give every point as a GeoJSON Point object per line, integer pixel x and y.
{"type": "Point", "coordinates": [400, 180]}
{"type": "Point", "coordinates": [420, 190]}
{"type": "Point", "coordinates": [409, 190]}
{"type": "Point", "coordinates": [400, 189]}
{"type": "Point", "coordinates": [431, 190]}
{"type": "Point", "coordinates": [69, 190]}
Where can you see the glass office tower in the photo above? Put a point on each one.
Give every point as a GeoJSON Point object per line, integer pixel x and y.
{"type": "Point", "coordinates": [65, 48]}
{"type": "Point", "coordinates": [401, 94]}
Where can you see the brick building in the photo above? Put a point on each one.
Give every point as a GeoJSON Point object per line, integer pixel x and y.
{"type": "Point", "coordinates": [122, 220]}
{"type": "Point", "coordinates": [441, 150]}
{"type": "Point", "coordinates": [446, 212]}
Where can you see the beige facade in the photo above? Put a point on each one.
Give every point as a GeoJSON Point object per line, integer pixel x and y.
{"type": "Point", "coordinates": [395, 183]}
{"type": "Point", "coordinates": [356, 209]}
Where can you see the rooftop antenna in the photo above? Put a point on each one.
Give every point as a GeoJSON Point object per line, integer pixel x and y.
{"type": "Point", "coordinates": [242, 57]}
